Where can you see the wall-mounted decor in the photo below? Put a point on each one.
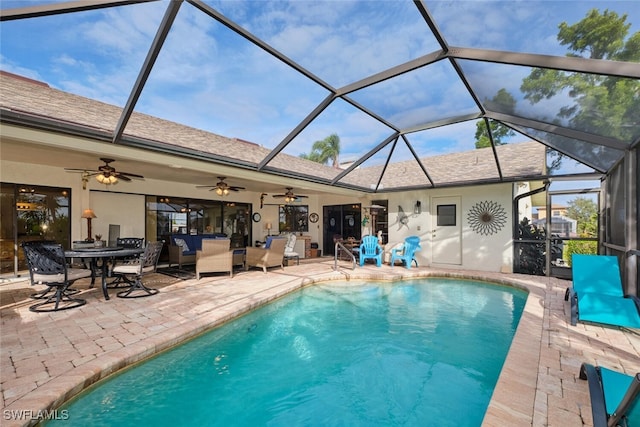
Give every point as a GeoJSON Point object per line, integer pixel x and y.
{"type": "Point", "coordinates": [487, 217]}
{"type": "Point", "coordinates": [403, 218]}
{"type": "Point", "coordinates": [313, 217]}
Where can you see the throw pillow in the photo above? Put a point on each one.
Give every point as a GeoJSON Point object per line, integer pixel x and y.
{"type": "Point", "coordinates": [182, 243]}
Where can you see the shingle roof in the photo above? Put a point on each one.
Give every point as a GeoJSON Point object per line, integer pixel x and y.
{"type": "Point", "coordinates": [39, 100]}
{"type": "Point", "coordinates": [517, 160]}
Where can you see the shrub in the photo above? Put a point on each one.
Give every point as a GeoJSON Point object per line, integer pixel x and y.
{"type": "Point", "coordinates": [583, 247]}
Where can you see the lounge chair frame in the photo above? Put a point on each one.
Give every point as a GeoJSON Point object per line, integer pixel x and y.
{"type": "Point", "coordinates": [608, 292]}
{"type": "Point", "coordinates": [603, 416]}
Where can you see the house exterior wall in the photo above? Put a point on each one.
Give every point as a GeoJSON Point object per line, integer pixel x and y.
{"type": "Point", "coordinates": [556, 210]}
{"type": "Point", "coordinates": [125, 210]}
{"type": "Point", "coordinates": [478, 252]}
{"type": "Point", "coordinates": [124, 204]}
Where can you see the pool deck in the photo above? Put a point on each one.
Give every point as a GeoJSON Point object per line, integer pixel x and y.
{"type": "Point", "coordinates": [46, 358]}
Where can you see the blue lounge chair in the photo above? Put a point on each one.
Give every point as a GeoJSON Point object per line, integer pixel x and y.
{"type": "Point", "coordinates": [615, 397]}
{"type": "Point", "coordinates": [370, 249]}
{"type": "Point", "coordinates": [406, 253]}
{"type": "Point", "coordinates": [597, 295]}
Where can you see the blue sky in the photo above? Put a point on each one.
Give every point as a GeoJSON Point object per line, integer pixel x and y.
{"type": "Point", "coordinates": [210, 78]}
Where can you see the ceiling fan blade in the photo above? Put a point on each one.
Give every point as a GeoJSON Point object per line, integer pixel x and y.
{"type": "Point", "coordinates": [106, 170]}
{"type": "Point", "coordinates": [80, 170]}
{"type": "Point", "coordinates": [132, 175]}
{"type": "Point", "coordinates": [221, 186]}
{"type": "Point", "coordinates": [86, 172]}
{"type": "Point", "coordinates": [279, 196]}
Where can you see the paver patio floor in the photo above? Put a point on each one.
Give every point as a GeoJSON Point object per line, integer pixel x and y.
{"type": "Point", "coordinates": [46, 358]}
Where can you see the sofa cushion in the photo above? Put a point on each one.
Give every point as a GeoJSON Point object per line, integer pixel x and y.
{"type": "Point", "coordinates": [191, 243]}
{"type": "Point", "coordinates": [182, 243]}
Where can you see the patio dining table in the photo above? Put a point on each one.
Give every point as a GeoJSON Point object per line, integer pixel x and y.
{"type": "Point", "coordinates": [104, 254]}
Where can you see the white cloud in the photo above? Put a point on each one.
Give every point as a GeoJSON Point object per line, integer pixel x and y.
{"type": "Point", "coordinates": [208, 77]}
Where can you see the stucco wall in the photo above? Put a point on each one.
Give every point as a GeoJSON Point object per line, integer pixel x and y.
{"type": "Point", "coordinates": [492, 252]}
{"type": "Point", "coordinates": [481, 252]}
{"type": "Point", "coordinates": [126, 211]}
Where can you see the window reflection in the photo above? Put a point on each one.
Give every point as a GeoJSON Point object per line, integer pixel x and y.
{"type": "Point", "coordinates": [189, 216]}
{"type": "Point", "coordinates": [294, 218]}
{"type": "Point", "coordinates": [31, 213]}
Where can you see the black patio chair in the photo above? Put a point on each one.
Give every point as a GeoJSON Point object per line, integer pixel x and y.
{"type": "Point", "coordinates": [49, 288]}
{"type": "Point", "coordinates": [126, 243]}
{"type": "Point", "coordinates": [132, 272]}
{"type": "Point", "coordinates": [48, 266]}
{"type": "Point", "coordinates": [130, 242]}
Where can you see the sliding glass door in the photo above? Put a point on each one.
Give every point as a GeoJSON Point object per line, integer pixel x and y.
{"type": "Point", "coordinates": [168, 216]}
{"type": "Point", "coordinates": [29, 212]}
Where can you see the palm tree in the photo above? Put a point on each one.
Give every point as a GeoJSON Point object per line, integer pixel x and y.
{"type": "Point", "coordinates": [324, 150]}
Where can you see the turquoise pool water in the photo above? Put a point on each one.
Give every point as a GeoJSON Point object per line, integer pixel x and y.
{"type": "Point", "coordinates": [424, 352]}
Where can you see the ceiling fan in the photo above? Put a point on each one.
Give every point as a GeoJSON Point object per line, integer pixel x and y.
{"type": "Point", "coordinates": [105, 174]}
{"type": "Point", "coordinates": [289, 196]}
{"type": "Point", "coordinates": [221, 188]}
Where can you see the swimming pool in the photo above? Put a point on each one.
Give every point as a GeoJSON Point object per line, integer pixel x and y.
{"type": "Point", "coordinates": [420, 352]}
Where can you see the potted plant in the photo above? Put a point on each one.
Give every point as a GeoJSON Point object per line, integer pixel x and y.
{"type": "Point", "coordinates": [99, 243]}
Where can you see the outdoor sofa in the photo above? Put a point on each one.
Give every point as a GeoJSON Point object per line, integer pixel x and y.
{"type": "Point", "coordinates": [183, 247]}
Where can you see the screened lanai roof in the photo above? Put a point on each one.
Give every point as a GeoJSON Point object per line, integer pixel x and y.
{"type": "Point", "coordinates": [402, 84]}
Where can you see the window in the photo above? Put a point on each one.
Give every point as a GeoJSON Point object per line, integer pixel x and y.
{"type": "Point", "coordinates": [294, 218]}
{"type": "Point", "coordinates": [168, 215]}
{"type": "Point", "coordinates": [446, 215]}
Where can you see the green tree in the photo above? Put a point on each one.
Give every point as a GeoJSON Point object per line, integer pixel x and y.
{"type": "Point", "coordinates": [314, 156]}
{"type": "Point", "coordinates": [498, 130]}
{"type": "Point", "coordinates": [585, 211]}
{"type": "Point", "coordinates": [325, 150]}
{"type": "Point", "coordinates": [602, 105]}
{"type": "Point", "coordinates": [503, 102]}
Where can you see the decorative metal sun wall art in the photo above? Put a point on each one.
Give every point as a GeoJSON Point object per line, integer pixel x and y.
{"type": "Point", "coordinates": [487, 217]}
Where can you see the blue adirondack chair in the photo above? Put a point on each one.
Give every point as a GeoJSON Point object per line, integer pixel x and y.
{"type": "Point", "coordinates": [406, 253]}
{"type": "Point", "coordinates": [370, 249]}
